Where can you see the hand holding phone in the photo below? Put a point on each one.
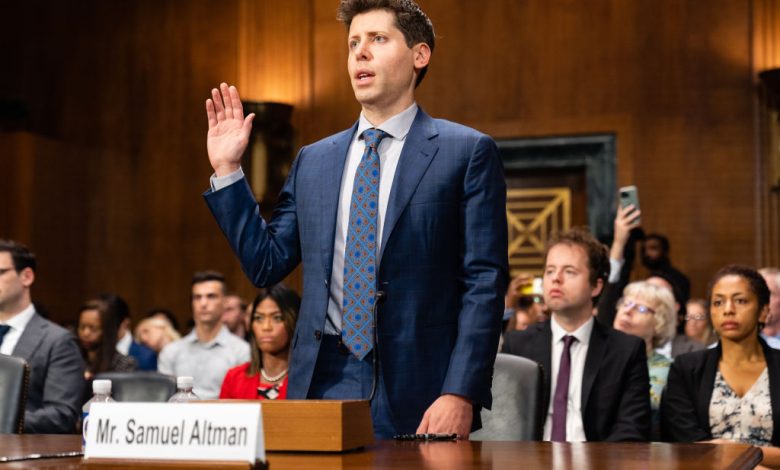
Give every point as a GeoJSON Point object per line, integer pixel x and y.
{"type": "Point", "coordinates": [630, 196]}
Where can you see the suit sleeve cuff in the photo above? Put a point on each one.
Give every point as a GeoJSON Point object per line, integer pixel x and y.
{"type": "Point", "coordinates": [614, 268]}
{"type": "Point", "coordinates": [220, 182]}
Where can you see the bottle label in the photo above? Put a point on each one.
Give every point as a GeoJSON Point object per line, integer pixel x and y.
{"type": "Point", "coordinates": [84, 421]}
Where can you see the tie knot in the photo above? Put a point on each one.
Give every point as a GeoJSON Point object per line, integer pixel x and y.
{"type": "Point", "coordinates": [373, 137]}
{"type": "Point", "coordinates": [568, 340]}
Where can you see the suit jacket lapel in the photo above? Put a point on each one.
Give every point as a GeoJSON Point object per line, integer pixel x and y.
{"type": "Point", "coordinates": [332, 170]}
{"type": "Point", "coordinates": [596, 350]}
{"type": "Point", "coordinates": [31, 338]}
{"type": "Point", "coordinates": [544, 349]}
{"type": "Point", "coordinates": [707, 385]}
{"type": "Point", "coordinates": [420, 147]}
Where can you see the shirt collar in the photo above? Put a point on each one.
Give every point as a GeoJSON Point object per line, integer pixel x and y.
{"type": "Point", "coordinates": [220, 339]}
{"type": "Point", "coordinates": [582, 333]}
{"type": "Point", "coordinates": [397, 126]}
{"type": "Point", "coordinates": [20, 320]}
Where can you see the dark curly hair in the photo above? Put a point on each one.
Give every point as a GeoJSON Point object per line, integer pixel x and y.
{"type": "Point", "coordinates": [409, 19]}
{"type": "Point", "coordinates": [754, 279]}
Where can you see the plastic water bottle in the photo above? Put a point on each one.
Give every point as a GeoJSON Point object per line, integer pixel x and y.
{"type": "Point", "coordinates": [184, 393]}
{"type": "Point", "coordinates": [101, 390]}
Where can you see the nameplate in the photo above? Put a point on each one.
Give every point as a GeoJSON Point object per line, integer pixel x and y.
{"type": "Point", "coordinates": [175, 431]}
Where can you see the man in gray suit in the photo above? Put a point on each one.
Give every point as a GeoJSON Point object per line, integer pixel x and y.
{"type": "Point", "coordinates": [56, 367]}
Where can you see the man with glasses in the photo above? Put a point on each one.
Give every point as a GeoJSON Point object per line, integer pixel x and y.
{"type": "Point", "coordinates": [56, 368]}
{"type": "Point", "coordinates": [597, 387]}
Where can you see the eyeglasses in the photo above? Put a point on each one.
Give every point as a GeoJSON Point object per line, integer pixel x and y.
{"type": "Point", "coordinates": [643, 309]}
{"type": "Point", "coordinates": [695, 316]}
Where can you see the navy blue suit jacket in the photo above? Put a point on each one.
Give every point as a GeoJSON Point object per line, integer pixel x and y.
{"type": "Point", "coordinates": [443, 260]}
{"type": "Point", "coordinates": [144, 357]}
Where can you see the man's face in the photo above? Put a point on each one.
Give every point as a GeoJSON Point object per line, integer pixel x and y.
{"type": "Point", "coordinates": [207, 302]}
{"type": "Point", "coordinates": [381, 65]}
{"type": "Point", "coordinates": [233, 314]}
{"type": "Point", "coordinates": [652, 253]}
{"type": "Point", "coordinates": [14, 286]}
{"type": "Point", "coordinates": [566, 282]}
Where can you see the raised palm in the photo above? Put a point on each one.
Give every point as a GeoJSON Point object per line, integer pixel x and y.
{"type": "Point", "coordinates": [229, 130]}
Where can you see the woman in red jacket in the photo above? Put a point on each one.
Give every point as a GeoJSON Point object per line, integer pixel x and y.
{"type": "Point", "coordinates": [274, 313]}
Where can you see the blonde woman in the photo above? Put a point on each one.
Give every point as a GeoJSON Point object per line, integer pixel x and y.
{"type": "Point", "coordinates": [648, 311]}
{"type": "Point", "coordinates": [156, 332]}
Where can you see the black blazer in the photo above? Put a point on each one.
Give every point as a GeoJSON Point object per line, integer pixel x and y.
{"type": "Point", "coordinates": [685, 405]}
{"type": "Point", "coordinates": [615, 383]}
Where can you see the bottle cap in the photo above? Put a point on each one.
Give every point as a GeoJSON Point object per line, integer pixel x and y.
{"type": "Point", "coordinates": [183, 381]}
{"type": "Point", "coordinates": [102, 387]}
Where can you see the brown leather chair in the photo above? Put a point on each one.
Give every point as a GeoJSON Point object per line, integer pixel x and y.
{"type": "Point", "coordinates": [15, 380]}
{"type": "Point", "coordinates": [140, 386]}
{"type": "Point", "coordinates": [516, 414]}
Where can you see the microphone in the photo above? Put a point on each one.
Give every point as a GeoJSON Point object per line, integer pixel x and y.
{"type": "Point", "coordinates": [379, 297]}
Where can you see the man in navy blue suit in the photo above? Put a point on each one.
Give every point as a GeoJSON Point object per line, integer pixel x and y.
{"type": "Point", "coordinates": [436, 237]}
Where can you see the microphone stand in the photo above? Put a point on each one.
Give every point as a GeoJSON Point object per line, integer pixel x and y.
{"type": "Point", "coordinates": [380, 296]}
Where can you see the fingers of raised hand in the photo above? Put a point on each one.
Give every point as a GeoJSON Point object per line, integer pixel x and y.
{"type": "Point", "coordinates": [210, 113]}
{"type": "Point", "coordinates": [219, 109]}
{"type": "Point", "coordinates": [228, 103]}
{"type": "Point", "coordinates": [235, 102]}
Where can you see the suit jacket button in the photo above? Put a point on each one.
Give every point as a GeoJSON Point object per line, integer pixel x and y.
{"type": "Point", "coordinates": [318, 335]}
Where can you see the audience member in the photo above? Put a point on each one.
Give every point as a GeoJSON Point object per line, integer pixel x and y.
{"type": "Point", "coordinates": [771, 330]}
{"type": "Point", "coordinates": [681, 343]}
{"type": "Point", "coordinates": [164, 314]}
{"type": "Point", "coordinates": [145, 358]}
{"type": "Point", "coordinates": [698, 326]}
{"type": "Point", "coordinates": [647, 311]}
{"type": "Point", "coordinates": [56, 368]}
{"type": "Point", "coordinates": [209, 350]}
{"type": "Point", "coordinates": [275, 311]}
{"type": "Point", "coordinates": [97, 331]}
{"type": "Point", "coordinates": [520, 320]}
{"type": "Point", "coordinates": [234, 315]}
{"type": "Point", "coordinates": [598, 385]}
{"type": "Point", "coordinates": [156, 332]}
{"type": "Point", "coordinates": [655, 257]}
{"type": "Point", "coordinates": [729, 393]}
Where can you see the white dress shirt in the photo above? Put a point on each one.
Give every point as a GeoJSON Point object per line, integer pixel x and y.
{"type": "Point", "coordinates": [17, 323]}
{"type": "Point", "coordinates": [575, 430]}
{"type": "Point", "coordinates": [390, 149]}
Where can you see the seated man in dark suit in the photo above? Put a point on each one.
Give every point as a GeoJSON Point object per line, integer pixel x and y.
{"type": "Point", "coordinates": [596, 379]}
{"type": "Point", "coordinates": [56, 367]}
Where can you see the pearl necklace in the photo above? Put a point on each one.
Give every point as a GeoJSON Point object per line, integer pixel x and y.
{"type": "Point", "coordinates": [275, 378]}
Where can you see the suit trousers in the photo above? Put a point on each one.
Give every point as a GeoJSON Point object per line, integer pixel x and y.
{"type": "Point", "coordinates": [339, 375]}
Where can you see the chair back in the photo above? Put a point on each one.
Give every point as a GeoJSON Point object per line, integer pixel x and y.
{"type": "Point", "coordinates": [14, 382]}
{"type": "Point", "coordinates": [516, 414]}
{"type": "Point", "coordinates": [142, 386]}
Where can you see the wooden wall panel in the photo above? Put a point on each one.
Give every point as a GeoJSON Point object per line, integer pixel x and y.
{"type": "Point", "coordinates": [115, 92]}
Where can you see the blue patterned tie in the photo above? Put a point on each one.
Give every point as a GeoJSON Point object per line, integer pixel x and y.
{"type": "Point", "coordinates": [357, 331]}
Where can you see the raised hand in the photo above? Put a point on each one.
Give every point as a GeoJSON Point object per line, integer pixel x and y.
{"type": "Point", "coordinates": [229, 130]}
{"type": "Point", "coordinates": [626, 220]}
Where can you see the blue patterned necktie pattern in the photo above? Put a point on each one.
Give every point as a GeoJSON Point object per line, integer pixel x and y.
{"type": "Point", "coordinates": [357, 329]}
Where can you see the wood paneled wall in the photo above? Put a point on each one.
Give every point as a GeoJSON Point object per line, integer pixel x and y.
{"type": "Point", "coordinates": [106, 184]}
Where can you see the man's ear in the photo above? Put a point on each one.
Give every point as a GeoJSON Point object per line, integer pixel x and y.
{"type": "Point", "coordinates": [422, 55]}
{"type": "Point", "coordinates": [27, 276]}
{"type": "Point", "coordinates": [598, 288]}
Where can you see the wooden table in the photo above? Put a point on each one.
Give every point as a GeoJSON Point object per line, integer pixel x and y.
{"type": "Point", "coordinates": [450, 455]}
